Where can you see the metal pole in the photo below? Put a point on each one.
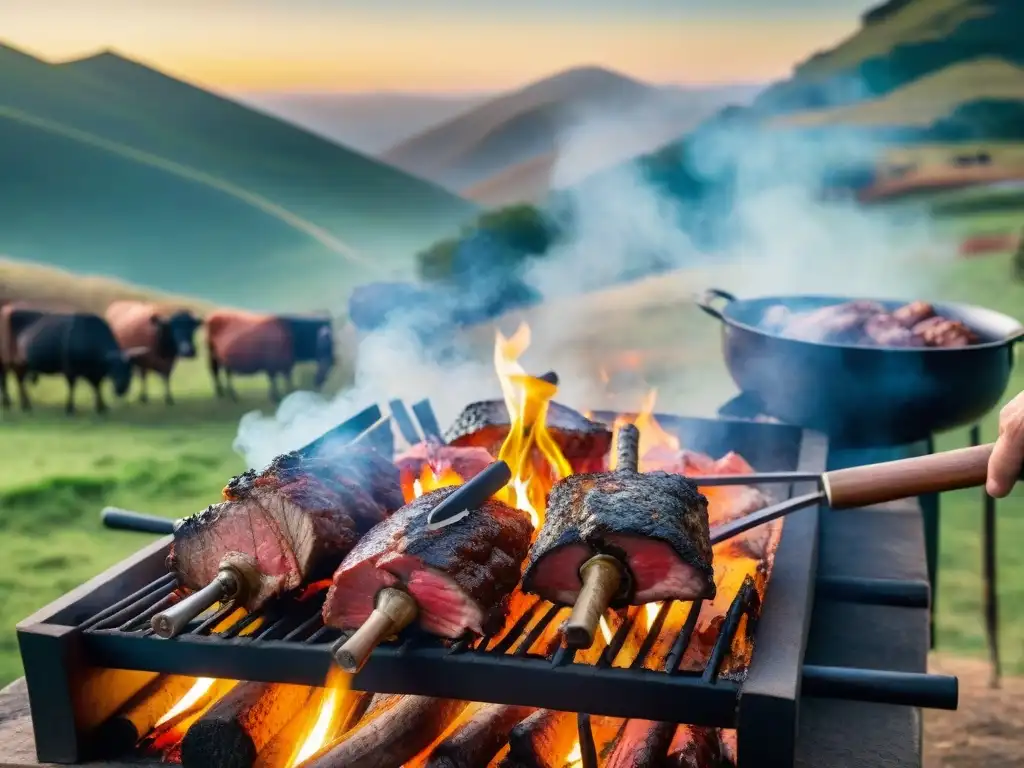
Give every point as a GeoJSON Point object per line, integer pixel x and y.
{"type": "Point", "coordinates": [989, 584]}
{"type": "Point", "coordinates": [930, 516]}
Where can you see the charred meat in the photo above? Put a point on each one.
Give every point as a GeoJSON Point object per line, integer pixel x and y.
{"type": "Point", "coordinates": [725, 502]}
{"type": "Point", "coordinates": [459, 575]}
{"type": "Point", "coordinates": [351, 466]}
{"type": "Point", "coordinates": [655, 523]}
{"type": "Point", "coordinates": [294, 522]}
{"type": "Point", "coordinates": [466, 461]}
{"type": "Point", "coordinates": [583, 442]}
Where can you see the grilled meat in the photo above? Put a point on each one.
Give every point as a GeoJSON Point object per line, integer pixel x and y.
{"type": "Point", "coordinates": [656, 523]}
{"type": "Point", "coordinates": [542, 740]}
{"type": "Point", "coordinates": [887, 331]}
{"type": "Point", "coordinates": [466, 462]}
{"type": "Point", "coordinates": [695, 747]}
{"type": "Point", "coordinates": [355, 466]}
{"type": "Point", "coordinates": [725, 502]}
{"type": "Point", "coordinates": [641, 743]}
{"type": "Point", "coordinates": [913, 313]}
{"type": "Point", "coordinates": [459, 575]}
{"type": "Point", "coordinates": [295, 521]}
{"type": "Point", "coordinates": [839, 323]}
{"type": "Point", "coordinates": [942, 332]}
{"type": "Point", "coordinates": [394, 731]}
{"type": "Point", "coordinates": [583, 442]}
{"type": "Point", "coordinates": [479, 739]}
{"type": "Point", "coordinates": [866, 322]}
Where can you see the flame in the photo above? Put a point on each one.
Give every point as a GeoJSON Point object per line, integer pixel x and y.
{"type": "Point", "coordinates": [430, 481]}
{"type": "Point", "coordinates": [575, 757]}
{"type": "Point", "coordinates": [655, 442]}
{"type": "Point", "coordinates": [527, 400]}
{"type": "Point", "coordinates": [327, 719]}
{"type": "Point", "coordinates": [198, 693]}
{"type": "Point", "coordinates": [192, 697]}
{"type": "Point", "coordinates": [651, 609]}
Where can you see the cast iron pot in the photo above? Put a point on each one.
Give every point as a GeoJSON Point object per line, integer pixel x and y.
{"type": "Point", "coordinates": [860, 395]}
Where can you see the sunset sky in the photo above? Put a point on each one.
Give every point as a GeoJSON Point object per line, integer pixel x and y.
{"type": "Point", "coordinates": [433, 45]}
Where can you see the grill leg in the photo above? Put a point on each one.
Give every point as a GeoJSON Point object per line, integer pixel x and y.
{"type": "Point", "coordinates": [988, 555]}
{"type": "Point", "coordinates": [930, 514]}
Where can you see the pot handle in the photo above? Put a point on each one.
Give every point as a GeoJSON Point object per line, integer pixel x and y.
{"type": "Point", "coordinates": [704, 301]}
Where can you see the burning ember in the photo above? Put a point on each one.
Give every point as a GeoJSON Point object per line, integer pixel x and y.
{"type": "Point", "coordinates": [335, 725]}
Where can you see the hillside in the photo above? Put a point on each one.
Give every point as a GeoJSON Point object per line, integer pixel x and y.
{"type": "Point", "coordinates": [547, 118]}
{"type": "Point", "coordinates": [24, 281]}
{"type": "Point", "coordinates": [894, 23]}
{"type": "Point", "coordinates": [368, 122]}
{"type": "Point", "coordinates": [114, 168]}
{"type": "Point", "coordinates": [923, 101]}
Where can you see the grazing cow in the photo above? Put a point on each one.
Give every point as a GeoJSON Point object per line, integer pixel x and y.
{"type": "Point", "coordinates": [244, 343]}
{"type": "Point", "coordinates": [312, 342]}
{"type": "Point", "coordinates": [73, 344]}
{"type": "Point", "coordinates": [166, 336]}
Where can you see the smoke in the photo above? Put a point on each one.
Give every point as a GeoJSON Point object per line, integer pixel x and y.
{"type": "Point", "coordinates": [739, 207]}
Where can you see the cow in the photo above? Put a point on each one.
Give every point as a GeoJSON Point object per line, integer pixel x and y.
{"type": "Point", "coordinates": [77, 345]}
{"type": "Point", "coordinates": [165, 335]}
{"type": "Point", "coordinates": [246, 343]}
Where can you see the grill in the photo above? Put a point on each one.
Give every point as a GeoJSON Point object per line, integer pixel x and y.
{"type": "Point", "coordinates": [86, 653]}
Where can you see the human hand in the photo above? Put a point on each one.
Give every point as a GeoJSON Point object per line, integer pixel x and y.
{"type": "Point", "coordinates": [1004, 467]}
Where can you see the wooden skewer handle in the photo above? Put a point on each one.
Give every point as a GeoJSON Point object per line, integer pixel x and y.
{"type": "Point", "coordinates": [892, 480]}
{"type": "Point", "coordinates": [602, 577]}
{"type": "Point", "coordinates": [393, 612]}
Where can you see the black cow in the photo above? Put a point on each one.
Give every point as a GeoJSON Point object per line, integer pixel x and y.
{"type": "Point", "coordinates": [77, 345]}
{"type": "Point", "coordinates": [312, 342]}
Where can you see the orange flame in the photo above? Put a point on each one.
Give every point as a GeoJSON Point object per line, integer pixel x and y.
{"type": "Point", "coordinates": [199, 695]}
{"type": "Point", "coordinates": [328, 716]}
{"type": "Point", "coordinates": [526, 399]}
{"type": "Point", "coordinates": [430, 481]}
{"type": "Point", "coordinates": [575, 757]}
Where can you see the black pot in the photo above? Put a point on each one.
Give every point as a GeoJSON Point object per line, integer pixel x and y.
{"type": "Point", "coordinates": [861, 395]}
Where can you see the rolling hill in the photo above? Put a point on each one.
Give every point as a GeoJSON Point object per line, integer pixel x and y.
{"type": "Point", "coordinates": [617, 117]}
{"type": "Point", "coordinates": [368, 122]}
{"type": "Point", "coordinates": [925, 100]}
{"type": "Point", "coordinates": [114, 168]}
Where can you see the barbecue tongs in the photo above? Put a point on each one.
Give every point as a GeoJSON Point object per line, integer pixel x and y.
{"type": "Point", "coordinates": [861, 486]}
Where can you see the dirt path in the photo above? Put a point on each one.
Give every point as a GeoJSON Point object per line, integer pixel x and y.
{"type": "Point", "coordinates": [988, 728]}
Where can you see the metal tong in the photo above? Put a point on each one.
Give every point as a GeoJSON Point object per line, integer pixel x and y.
{"type": "Point", "coordinates": [862, 486]}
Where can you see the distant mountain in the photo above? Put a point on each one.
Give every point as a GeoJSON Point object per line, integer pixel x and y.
{"type": "Point", "coordinates": [368, 122]}
{"type": "Point", "coordinates": [113, 168]}
{"type": "Point", "coordinates": [612, 116]}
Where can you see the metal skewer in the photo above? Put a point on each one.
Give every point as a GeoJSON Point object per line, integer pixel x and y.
{"type": "Point", "coordinates": [237, 580]}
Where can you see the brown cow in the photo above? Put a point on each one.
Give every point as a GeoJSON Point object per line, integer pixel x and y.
{"type": "Point", "coordinates": [246, 343]}
{"type": "Point", "coordinates": [165, 334]}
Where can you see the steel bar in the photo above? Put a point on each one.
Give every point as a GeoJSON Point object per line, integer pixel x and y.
{"type": "Point", "coordinates": [404, 421]}
{"type": "Point", "coordinates": [428, 421]}
{"type": "Point", "coordinates": [773, 512]}
{"type": "Point", "coordinates": [903, 593]}
{"type": "Point", "coordinates": [911, 689]}
{"type": "Point", "coordinates": [989, 572]}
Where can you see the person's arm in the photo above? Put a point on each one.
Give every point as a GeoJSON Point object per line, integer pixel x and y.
{"type": "Point", "coordinates": [1004, 467]}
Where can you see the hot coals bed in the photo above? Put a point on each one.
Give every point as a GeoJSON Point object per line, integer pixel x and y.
{"type": "Point", "coordinates": [99, 679]}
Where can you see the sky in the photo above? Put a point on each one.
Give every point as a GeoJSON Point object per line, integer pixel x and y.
{"type": "Point", "coordinates": [434, 45]}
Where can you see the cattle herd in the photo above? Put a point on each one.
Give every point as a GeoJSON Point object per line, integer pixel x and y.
{"type": "Point", "coordinates": [137, 338]}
